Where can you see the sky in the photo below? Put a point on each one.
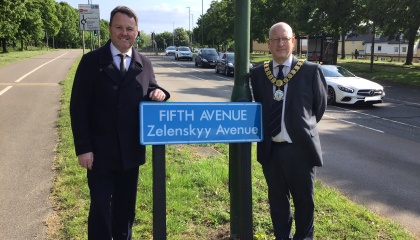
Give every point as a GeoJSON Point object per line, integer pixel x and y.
{"type": "Point", "coordinates": [154, 15]}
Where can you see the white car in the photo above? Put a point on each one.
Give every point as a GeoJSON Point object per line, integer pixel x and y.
{"type": "Point", "coordinates": [183, 53]}
{"type": "Point", "coordinates": [346, 88]}
{"type": "Point", "coordinates": [170, 50]}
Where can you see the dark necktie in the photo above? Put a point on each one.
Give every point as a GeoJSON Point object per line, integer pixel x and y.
{"type": "Point", "coordinates": [277, 109]}
{"type": "Point", "coordinates": [122, 64]}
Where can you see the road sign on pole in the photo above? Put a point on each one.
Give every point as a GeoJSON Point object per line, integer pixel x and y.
{"type": "Point", "coordinates": [199, 122]}
{"type": "Point", "coordinates": [89, 17]}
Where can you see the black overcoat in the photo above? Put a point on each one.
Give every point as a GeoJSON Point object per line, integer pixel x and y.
{"type": "Point", "coordinates": [104, 108]}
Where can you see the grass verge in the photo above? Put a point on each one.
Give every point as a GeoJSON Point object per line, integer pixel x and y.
{"type": "Point", "coordinates": [382, 70]}
{"type": "Point", "coordinates": [197, 196]}
{"type": "Point", "coordinates": [10, 57]}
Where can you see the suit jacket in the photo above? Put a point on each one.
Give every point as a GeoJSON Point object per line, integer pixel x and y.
{"type": "Point", "coordinates": [104, 108]}
{"type": "Point", "coordinates": [306, 101]}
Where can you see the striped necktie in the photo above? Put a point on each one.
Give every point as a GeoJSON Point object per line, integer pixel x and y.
{"type": "Point", "coordinates": [277, 109]}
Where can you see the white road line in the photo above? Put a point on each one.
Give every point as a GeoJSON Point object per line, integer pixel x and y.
{"type": "Point", "coordinates": [224, 78]}
{"type": "Point", "coordinates": [405, 102]}
{"type": "Point", "coordinates": [24, 76]}
{"type": "Point", "coordinates": [5, 90]}
{"type": "Point", "coordinates": [385, 119]}
{"type": "Point", "coordinates": [341, 120]}
{"type": "Point", "coordinates": [197, 77]}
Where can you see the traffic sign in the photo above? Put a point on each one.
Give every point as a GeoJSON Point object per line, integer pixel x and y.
{"type": "Point", "coordinates": [199, 122]}
{"type": "Point", "coordinates": [89, 17]}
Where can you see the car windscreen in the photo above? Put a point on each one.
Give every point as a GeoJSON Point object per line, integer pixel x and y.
{"type": "Point", "coordinates": [184, 49]}
{"type": "Point", "coordinates": [336, 71]}
{"type": "Point", "coordinates": [209, 52]}
{"type": "Point", "coordinates": [230, 57]}
{"type": "Point", "coordinates": [171, 48]}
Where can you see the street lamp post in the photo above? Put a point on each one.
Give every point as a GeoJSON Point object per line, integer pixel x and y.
{"type": "Point", "coordinates": [189, 25]}
{"type": "Point", "coordinates": [192, 24]}
{"type": "Point", "coordinates": [399, 47]}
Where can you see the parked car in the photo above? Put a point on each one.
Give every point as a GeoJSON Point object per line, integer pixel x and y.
{"type": "Point", "coordinates": [206, 57]}
{"type": "Point", "coordinates": [170, 50]}
{"type": "Point", "coordinates": [226, 64]}
{"type": "Point", "coordinates": [183, 52]}
{"type": "Point", "coordinates": [346, 88]}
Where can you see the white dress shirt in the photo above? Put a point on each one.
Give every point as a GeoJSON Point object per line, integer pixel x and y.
{"type": "Point", "coordinates": [117, 59]}
{"type": "Point", "coordinates": [283, 136]}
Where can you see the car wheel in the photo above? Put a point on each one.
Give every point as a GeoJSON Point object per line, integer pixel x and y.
{"type": "Point", "coordinates": [202, 65]}
{"type": "Point", "coordinates": [216, 69]}
{"type": "Point", "coordinates": [196, 64]}
{"type": "Point", "coordinates": [331, 96]}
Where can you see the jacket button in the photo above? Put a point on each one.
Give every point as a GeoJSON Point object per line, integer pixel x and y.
{"type": "Point", "coordinates": [115, 87]}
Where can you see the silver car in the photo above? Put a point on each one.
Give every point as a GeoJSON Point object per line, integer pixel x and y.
{"type": "Point", "coordinates": [183, 53]}
{"type": "Point", "coordinates": [170, 50]}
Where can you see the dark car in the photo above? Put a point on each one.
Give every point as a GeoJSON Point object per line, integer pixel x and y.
{"type": "Point", "coordinates": [226, 64]}
{"type": "Point", "coordinates": [206, 57]}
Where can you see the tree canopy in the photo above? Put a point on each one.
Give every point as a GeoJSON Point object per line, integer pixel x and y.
{"type": "Point", "coordinates": [34, 22]}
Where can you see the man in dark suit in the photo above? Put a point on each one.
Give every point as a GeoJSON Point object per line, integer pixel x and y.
{"type": "Point", "coordinates": [292, 106]}
{"type": "Point", "coordinates": [108, 86]}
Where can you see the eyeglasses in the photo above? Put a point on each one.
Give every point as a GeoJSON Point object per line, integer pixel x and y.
{"type": "Point", "coordinates": [280, 40]}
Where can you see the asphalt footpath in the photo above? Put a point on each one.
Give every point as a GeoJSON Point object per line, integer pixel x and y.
{"type": "Point", "coordinates": [29, 105]}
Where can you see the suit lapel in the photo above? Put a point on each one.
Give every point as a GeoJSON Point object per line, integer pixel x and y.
{"type": "Point", "coordinates": [291, 88]}
{"type": "Point", "coordinates": [106, 63]}
{"type": "Point", "coordinates": [134, 69]}
{"type": "Point", "coordinates": [269, 85]}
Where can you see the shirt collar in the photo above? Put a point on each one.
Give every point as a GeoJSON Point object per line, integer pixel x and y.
{"type": "Point", "coordinates": [287, 63]}
{"type": "Point", "coordinates": [115, 51]}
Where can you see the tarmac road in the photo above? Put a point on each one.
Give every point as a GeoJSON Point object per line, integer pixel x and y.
{"type": "Point", "coordinates": [29, 104]}
{"type": "Point", "coordinates": [371, 154]}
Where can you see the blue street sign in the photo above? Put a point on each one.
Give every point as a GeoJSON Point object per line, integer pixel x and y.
{"type": "Point", "coordinates": [199, 122]}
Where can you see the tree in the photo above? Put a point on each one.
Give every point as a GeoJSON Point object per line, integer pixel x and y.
{"type": "Point", "coordinates": [334, 18]}
{"type": "Point", "coordinates": [31, 28]}
{"type": "Point", "coordinates": [402, 19]}
{"type": "Point", "coordinates": [69, 34]}
{"type": "Point", "coordinates": [164, 39]}
{"type": "Point", "coordinates": [50, 20]}
{"type": "Point", "coordinates": [265, 13]}
{"type": "Point", "coordinates": [181, 37]}
{"type": "Point", "coordinates": [11, 13]}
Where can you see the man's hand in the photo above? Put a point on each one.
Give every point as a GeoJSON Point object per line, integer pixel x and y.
{"type": "Point", "coordinates": [157, 95]}
{"type": "Point", "coordinates": [86, 160]}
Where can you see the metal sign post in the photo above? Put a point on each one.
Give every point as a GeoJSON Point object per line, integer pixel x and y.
{"type": "Point", "coordinates": [240, 185]}
{"type": "Point", "coordinates": [89, 19]}
{"type": "Point", "coordinates": [238, 123]}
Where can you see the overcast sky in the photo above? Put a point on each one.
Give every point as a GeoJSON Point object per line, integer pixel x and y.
{"type": "Point", "coordinates": [154, 15]}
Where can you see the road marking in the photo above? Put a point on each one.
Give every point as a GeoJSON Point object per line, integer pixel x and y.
{"type": "Point", "coordinates": [386, 119]}
{"type": "Point", "coordinates": [405, 102]}
{"type": "Point", "coordinates": [224, 78]}
{"type": "Point", "coordinates": [24, 76]}
{"type": "Point", "coordinates": [5, 90]}
{"type": "Point", "coordinates": [363, 126]}
{"type": "Point", "coordinates": [197, 77]}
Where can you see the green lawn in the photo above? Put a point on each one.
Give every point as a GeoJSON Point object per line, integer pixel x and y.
{"type": "Point", "coordinates": [198, 197]}
{"type": "Point", "coordinates": [14, 56]}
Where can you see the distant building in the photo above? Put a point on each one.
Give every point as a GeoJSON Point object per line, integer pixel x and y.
{"type": "Point", "coordinates": [263, 47]}
{"type": "Point", "coordinates": [384, 49]}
